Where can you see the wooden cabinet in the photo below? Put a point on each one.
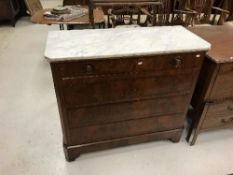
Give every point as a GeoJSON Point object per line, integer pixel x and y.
{"type": "Point", "coordinates": [9, 10]}
{"type": "Point", "coordinates": [109, 102]}
{"type": "Point", "coordinates": [213, 96]}
{"type": "Point", "coordinates": [110, 95]}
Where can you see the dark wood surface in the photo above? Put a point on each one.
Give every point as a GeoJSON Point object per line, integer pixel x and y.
{"type": "Point", "coordinates": [221, 39]}
{"type": "Point", "coordinates": [106, 103]}
{"type": "Point", "coordinates": [213, 95]}
{"type": "Point", "coordinates": [9, 9]}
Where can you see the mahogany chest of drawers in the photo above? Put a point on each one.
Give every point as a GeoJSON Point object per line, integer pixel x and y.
{"type": "Point", "coordinates": [116, 101]}
{"type": "Point", "coordinates": [213, 97]}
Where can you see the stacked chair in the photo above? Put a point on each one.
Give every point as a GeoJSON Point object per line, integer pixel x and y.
{"type": "Point", "coordinates": [164, 12]}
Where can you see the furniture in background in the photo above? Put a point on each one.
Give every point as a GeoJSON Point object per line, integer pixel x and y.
{"type": "Point", "coordinates": [75, 2]}
{"type": "Point", "coordinates": [200, 11]}
{"type": "Point", "coordinates": [23, 8]}
{"type": "Point", "coordinates": [120, 8]}
{"type": "Point", "coordinates": [33, 6]}
{"type": "Point", "coordinates": [113, 92]}
{"type": "Point", "coordinates": [38, 18]}
{"type": "Point", "coordinates": [222, 11]}
{"type": "Point", "coordinates": [182, 14]}
{"type": "Point", "coordinates": [230, 8]}
{"type": "Point", "coordinates": [119, 13]}
{"type": "Point", "coordinates": [9, 10]}
{"type": "Point", "coordinates": [166, 12]}
{"type": "Point", "coordinates": [213, 97]}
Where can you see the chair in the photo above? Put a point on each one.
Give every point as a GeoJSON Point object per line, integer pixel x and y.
{"type": "Point", "coordinates": [230, 8]}
{"type": "Point", "coordinates": [221, 11]}
{"type": "Point", "coordinates": [123, 15]}
{"type": "Point", "coordinates": [159, 14]}
{"type": "Point", "coordinates": [182, 14]}
{"type": "Point", "coordinates": [204, 9]}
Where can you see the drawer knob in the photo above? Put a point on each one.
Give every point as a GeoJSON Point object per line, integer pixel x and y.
{"type": "Point", "coordinates": [89, 68]}
{"type": "Point", "coordinates": [140, 63]}
{"type": "Point", "coordinates": [177, 62]}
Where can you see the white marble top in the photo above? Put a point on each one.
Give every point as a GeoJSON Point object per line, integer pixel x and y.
{"type": "Point", "coordinates": [121, 42]}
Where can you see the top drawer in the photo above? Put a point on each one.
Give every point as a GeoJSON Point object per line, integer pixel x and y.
{"type": "Point", "coordinates": [223, 85]}
{"type": "Point", "coordinates": [136, 64]}
{"type": "Point", "coordinates": [226, 69]}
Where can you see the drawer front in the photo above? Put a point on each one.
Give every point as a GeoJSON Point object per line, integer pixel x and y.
{"type": "Point", "coordinates": [226, 69]}
{"type": "Point", "coordinates": [136, 64]}
{"type": "Point", "coordinates": [217, 122]}
{"type": "Point", "coordinates": [102, 90]}
{"type": "Point", "coordinates": [220, 110]}
{"type": "Point", "coordinates": [103, 114]}
{"type": "Point", "coordinates": [223, 87]}
{"type": "Point", "coordinates": [169, 62]}
{"type": "Point", "coordinates": [219, 115]}
{"type": "Point", "coordinates": [96, 67]}
{"type": "Point", "coordinates": [125, 129]}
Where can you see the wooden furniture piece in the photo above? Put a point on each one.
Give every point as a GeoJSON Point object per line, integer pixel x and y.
{"type": "Point", "coordinates": [222, 11]}
{"type": "Point", "coordinates": [199, 12]}
{"type": "Point", "coordinates": [38, 18]}
{"type": "Point", "coordinates": [130, 6]}
{"type": "Point", "coordinates": [182, 14]}
{"type": "Point", "coordinates": [23, 8]}
{"type": "Point", "coordinates": [33, 6]}
{"type": "Point", "coordinates": [230, 8]}
{"type": "Point", "coordinates": [75, 2]}
{"type": "Point", "coordinates": [130, 13]}
{"type": "Point", "coordinates": [213, 97]}
{"type": "Point", "coordinates": [112, 92]}
{"type": "Point", "coordinates": [9, 10]}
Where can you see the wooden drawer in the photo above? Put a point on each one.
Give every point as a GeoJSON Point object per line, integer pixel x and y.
{"type": "Point", "coordinates": [217, 122]}
{"type": "Point", "coordinates": [125, 129]}
{"type": "Point", "coordinates": [116, 112]}
{"type": "Point", "coordinates": [218, 115]}
{"type": "Point", "coordinates": [226, 68]}
{"type": "Point", "coordinates": [120, 65]}
{"type": "Point", "coordinates": [102, 90]}
{"type": "Point", "coordinates": [223, 86]}
{"type": "Point", "coordinates": [219, 110]}
{"type": "Point", "coordinates": [169, 62]}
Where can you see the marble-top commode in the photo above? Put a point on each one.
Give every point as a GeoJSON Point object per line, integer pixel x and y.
{"type": "Point", "coordinates": [122, 42]}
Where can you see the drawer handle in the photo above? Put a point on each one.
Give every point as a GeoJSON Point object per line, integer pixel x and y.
{"type": "Point", "coordinates": [230, 120]}
{"type": "Point", "coordinates": [230, 108]}
{"type": "Point", "coordinates": [89, 68]}
{"type": "Point", "coordinates": [177, 62]}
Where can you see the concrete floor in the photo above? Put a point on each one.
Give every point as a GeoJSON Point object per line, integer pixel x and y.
{"type": "Point", "coordinates": [30, 132]}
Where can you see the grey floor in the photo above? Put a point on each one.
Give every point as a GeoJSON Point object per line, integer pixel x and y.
{"type": "Point", "coordinates": [30, 132]}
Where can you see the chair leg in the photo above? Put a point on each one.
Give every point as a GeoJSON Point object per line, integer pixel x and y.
{"type": "Point", "coordinates": [61, 26]}
{"type": "Point", "coordinates": [221, 19]}
{"type": "Point", "coordinates": [13, 22]}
